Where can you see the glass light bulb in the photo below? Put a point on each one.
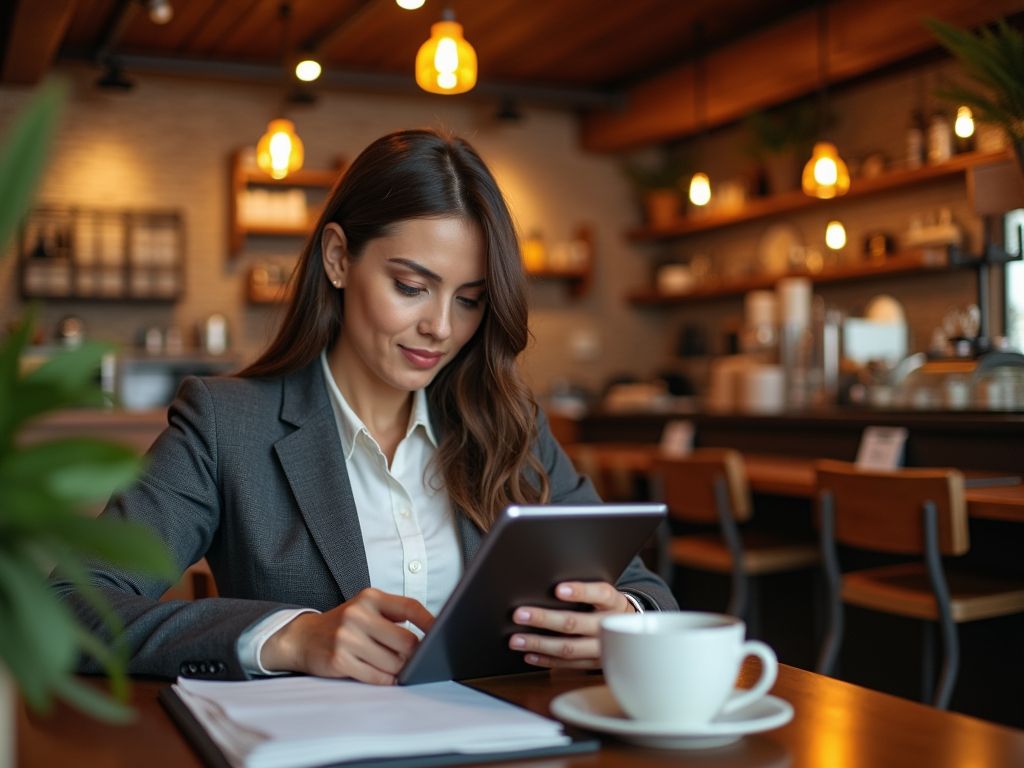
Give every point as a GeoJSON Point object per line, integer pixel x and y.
{"type": "Point", "coordinates": [700, 189]}
{"type": "Point", "coordinates": [280, 152]}
{"type": "Point", "coordinates": [410, 5]}
{"type": "Point", "coordinates": [964, 126]}
{"type": "Point", "coordinates": [446, 60]}
{"type": "Point", "coordinates": [835, 235]}
{"type": "Point", "coordinates": [308, 70]}
{"type": "Point", "coordinates": [160, 11]}
{"type": "Point", "coordinates": [825, 171]}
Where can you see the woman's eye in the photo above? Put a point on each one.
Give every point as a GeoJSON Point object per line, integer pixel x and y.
{"type": "Point", "coordinates": [468, 302]}
{"type": "Point", "coordinates": [408, 290]}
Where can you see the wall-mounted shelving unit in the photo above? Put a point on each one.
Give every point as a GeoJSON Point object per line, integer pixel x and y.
{"type": "Point", "coordinates": [791, 202]}
{"type": "Point", "coordinates": [907, 263]}
{"type": "Point", "coordinates": [264, 206]}
{"type": "Point", "coordinates": [89, 254]}
{"type": "Point", "coordinates": [578, 270]}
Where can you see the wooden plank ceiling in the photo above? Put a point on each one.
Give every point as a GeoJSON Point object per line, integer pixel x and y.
{"type": "Point", "coordinates": [564, 43]}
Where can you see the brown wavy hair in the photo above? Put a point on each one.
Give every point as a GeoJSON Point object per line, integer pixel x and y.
{"type": "Point", "coordinates": [488, 414]}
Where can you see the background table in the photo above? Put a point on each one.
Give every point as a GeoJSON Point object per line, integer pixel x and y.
{"type": "Point", "coordinates": [836, 725]}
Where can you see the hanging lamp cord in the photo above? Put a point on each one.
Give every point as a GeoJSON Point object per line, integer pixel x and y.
{"type": "Point", "coordinates": [822, 68]}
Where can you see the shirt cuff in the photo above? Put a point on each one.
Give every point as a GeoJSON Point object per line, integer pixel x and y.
{"type": "Point", "coordinates": [634, 602]}
{"type": "Point", "coordinates": [251, 642]}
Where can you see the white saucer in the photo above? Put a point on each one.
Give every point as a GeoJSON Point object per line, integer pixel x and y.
{"type": "Point", "coordinates": [596, 709]}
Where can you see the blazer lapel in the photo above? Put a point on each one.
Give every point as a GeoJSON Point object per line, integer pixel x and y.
{"type": "Point", "coordinates": [313, 463]}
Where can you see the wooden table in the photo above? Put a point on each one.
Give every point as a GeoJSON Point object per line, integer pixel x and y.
{"type": "Point", "coordinates": [837, 725]}
{"type": "Point", "coordinates": [794, 476]}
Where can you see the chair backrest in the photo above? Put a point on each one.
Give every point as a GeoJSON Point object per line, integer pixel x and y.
{"type": "Point", "coordinates": [882, 510]}
{"type": "Point", "coordinates": [687, 485]}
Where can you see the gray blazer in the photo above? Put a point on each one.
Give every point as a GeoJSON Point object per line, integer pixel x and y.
{"type": "Point", "coordinates": [251, 475]}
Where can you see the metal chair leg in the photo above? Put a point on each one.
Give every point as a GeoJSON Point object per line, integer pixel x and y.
{"type": "Point", "coordinates": [727, 523]}
{"type": "Point", "coordinates": [950, 639]}
{"type": "Point", "coordinates": [833, 587]}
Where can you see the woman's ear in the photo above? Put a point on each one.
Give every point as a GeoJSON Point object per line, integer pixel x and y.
{"type": "Point", "coordinates": [334, 248]}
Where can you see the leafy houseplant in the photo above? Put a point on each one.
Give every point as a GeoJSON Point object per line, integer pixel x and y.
{"type": "Point", "coordinates": [659, 187]}
{"type": "Point", "coordinates": [994, 59]}
{"type": "Point", "coordinates": [781, 141]}
{"type": "Point", "coordinates": [44, 486]}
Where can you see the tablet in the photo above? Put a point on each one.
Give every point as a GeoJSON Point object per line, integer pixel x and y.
{"type": "Point", "coordinates": [528, 551]}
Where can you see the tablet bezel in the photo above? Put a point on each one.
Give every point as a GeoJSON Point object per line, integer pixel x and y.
{"type": "Point", "coordinates": [589, 542]}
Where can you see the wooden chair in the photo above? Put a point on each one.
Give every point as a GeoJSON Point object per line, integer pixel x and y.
{"type": "Point", "coordinates": [908, 512]}
{"type": "Point", "coordinates": [710, 487]}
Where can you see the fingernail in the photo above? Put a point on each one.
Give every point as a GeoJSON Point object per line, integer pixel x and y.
{"type": "Point", "coordinates": [518, 642]}
{"type": "Point", "coordinates": [565, 591]}
{"type": "Point", "coordinates": [522, 615]}
{"type": "Point", "coordinates": [532, 658]}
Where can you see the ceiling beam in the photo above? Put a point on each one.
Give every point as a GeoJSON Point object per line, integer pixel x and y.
{"type": "Point", "coordinates": [778, 64]}
{"type": "Point", "coordinates": [36, 30]}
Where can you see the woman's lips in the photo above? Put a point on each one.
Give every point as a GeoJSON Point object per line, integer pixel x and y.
{"type": "Point", "coordinates": [421, 358]}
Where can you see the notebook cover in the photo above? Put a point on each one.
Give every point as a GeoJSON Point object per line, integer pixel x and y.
{"type": "Point", "coordinates": [212, 757]}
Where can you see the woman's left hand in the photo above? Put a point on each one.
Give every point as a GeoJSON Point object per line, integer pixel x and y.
{"type": "Point", "coordinates": [578, 645]}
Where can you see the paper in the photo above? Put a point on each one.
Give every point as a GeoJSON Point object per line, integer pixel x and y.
{"type": "Point", "coordinates": [293, 722]}
{"type": "Point", "coordinates": [881, 448]}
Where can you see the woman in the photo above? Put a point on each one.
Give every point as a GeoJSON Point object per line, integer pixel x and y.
{"type": "Point", "coordinates": [340, 483]}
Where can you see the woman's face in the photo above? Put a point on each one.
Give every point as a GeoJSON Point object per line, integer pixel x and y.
{"type": "Point", "coordinates": [412, 300]}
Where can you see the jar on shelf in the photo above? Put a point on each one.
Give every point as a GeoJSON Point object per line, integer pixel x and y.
{"type": "Point", "coordinates": [940, 138]}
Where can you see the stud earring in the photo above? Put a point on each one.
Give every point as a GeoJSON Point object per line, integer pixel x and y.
{"type": "Point", "coordinates": [337, 283]}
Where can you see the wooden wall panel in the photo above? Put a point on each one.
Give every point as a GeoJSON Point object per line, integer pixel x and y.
{"type": "Point", "coordinates": [779, 64]}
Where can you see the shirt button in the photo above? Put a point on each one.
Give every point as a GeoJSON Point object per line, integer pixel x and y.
{"type": "Point", "coordinates": [404, 513]}
{"type": "Point", "coordinates": [415, 566]}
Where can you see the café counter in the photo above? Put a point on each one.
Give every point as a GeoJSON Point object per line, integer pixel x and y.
{"type": "Point", "coordinates": [985, 441]}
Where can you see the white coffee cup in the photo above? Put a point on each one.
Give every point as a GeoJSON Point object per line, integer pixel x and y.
{"type": "Point", "coordinates": [680, 667]}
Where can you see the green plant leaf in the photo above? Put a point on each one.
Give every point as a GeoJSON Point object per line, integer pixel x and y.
{"type": "Point", "coordinates": [45, 625]}
{"type": "Point", "coordinates": [78, 470]}
{"type": "Point", "coordinates": [10, 360]}
{"type": "Point", "coordinates": [23, 156]}
{"type": "Point", "coordinates": [17, 656]}
{"type": "Point", "coordinates": [117, 542]}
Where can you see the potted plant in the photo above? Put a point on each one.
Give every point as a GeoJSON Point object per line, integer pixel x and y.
{"type": "Point", "coordinates": [44, 486]}
{"type": "Point", "coordinates": [781, 141]}
{"type": "Point", "coordinates": [994, 60]}
{"type": "Point", "coordinates": [659, 187]}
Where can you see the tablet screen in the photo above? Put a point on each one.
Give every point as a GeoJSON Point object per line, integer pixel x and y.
{"type": "Point", "coordinates": [528, 551]}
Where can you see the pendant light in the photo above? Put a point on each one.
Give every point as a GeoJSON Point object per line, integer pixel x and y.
{"type": "Point", "coordinates": [835, 235]}
{"type": "Point", "coordinates": [280, 150]}
{"type": "Point", "coordinates": [825, 175]}
{"type": "Point", "coordinates": [964, 127]}
{"type": "Point", "coordinates": [446, 63]}
{"type": "Point", "coordinates": [700, 184]}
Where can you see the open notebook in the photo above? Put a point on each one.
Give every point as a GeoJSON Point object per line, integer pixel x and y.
{"type": "Point", "coordinates": [294, 722]}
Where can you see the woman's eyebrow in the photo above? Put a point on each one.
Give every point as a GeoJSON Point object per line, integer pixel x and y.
{"type": "Point", "coordinates": [430, 274]}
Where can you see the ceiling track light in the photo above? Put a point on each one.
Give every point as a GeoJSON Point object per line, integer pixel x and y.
{"type": "Point", "coordinates": [446, 63]}
{"type": "Point", "coordinates": [410, 5]}
{"type": "Point", "coordinates": [113, 79]}
{"type": "Point", "coordinates": [160, 11]}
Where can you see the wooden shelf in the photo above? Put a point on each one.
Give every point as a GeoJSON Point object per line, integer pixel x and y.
{"type": "Point", "coordinates": [791, 202]}
{"type": "Point", "coordinates": [244, 178]}
{"type": "Point", "coordinates": [908, 262]}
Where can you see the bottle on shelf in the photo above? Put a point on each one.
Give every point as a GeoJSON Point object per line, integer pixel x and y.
{"type": "Point", "coordinates": [915, 140]}
{"type": "Point", "coordinates": [940, 138]}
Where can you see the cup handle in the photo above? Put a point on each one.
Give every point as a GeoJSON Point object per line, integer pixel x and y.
{"type": "Point", "coordinates": [769, 671]}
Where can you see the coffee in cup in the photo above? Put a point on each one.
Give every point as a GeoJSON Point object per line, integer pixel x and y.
{"type": "Point", "coordinates": [680, 667]}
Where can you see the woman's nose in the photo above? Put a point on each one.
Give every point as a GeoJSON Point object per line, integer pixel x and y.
{"type": "Point", "coordinates": [437, 321]}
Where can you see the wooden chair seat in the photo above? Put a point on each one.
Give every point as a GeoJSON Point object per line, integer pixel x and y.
{"type": "Point", "coordinates": [762, 553]}
{"type": "Point", "coordinates": [905, 590]}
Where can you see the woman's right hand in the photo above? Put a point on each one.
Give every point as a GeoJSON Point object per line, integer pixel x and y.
{"type": "Point", "coordinates": [359, 639]}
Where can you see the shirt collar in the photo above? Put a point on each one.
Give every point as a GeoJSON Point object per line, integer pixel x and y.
{"type": "Point", "coordinates": [350, 426]}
